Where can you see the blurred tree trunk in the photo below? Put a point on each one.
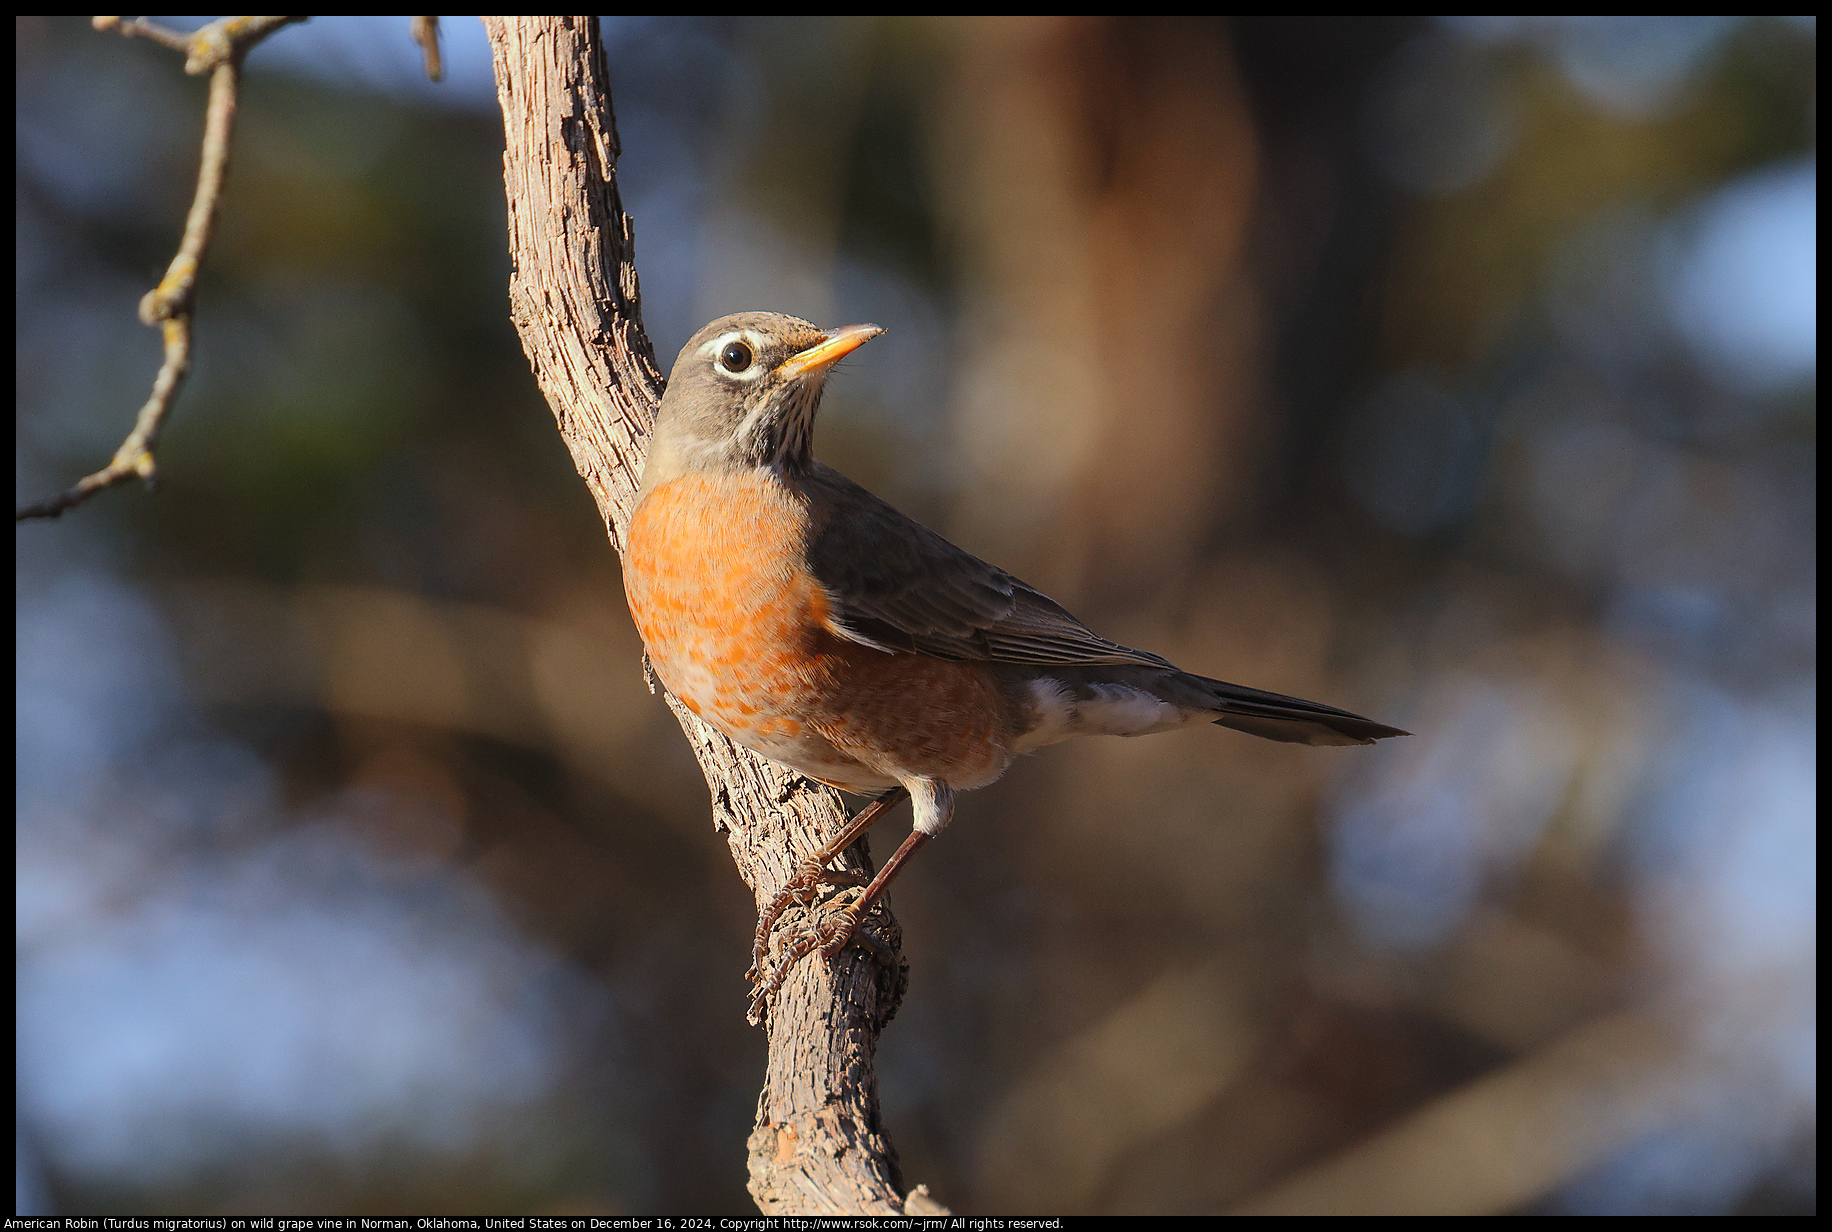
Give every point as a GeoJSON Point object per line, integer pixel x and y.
{"type": "Point", "coordinates": [1099, 175]}
{"type": "Point", "coordinates": [818, 1146]}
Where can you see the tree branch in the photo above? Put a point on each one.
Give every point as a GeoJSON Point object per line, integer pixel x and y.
{"type": "Point", "coordinates": [425, 31]}
{"type": "Point", "coordinates": [818, 1146]}
{"type": "Point", "coordinates": [216, 49]}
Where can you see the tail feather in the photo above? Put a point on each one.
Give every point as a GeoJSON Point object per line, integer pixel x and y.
{"type": "Point", "coordinates": [1126, 700]}
{"type": "Point", "coordinates": [1274, 716]}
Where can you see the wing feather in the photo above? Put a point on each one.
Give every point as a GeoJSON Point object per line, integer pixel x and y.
{"type": "Point", "coordinates": [897, 586]}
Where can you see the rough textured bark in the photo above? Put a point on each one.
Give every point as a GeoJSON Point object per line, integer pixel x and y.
{"type": "Point", "coordinates": [818, 1147]}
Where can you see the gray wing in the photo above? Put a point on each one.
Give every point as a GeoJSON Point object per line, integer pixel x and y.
{"type": "Point", "coordinates": [896, 585]}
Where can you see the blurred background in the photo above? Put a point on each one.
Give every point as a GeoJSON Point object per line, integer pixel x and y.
{"type": "Point", "coordinates": [1460, 373]}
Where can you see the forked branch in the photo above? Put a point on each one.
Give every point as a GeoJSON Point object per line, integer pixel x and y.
{"type": "Point", "coordinates": [216, 49]}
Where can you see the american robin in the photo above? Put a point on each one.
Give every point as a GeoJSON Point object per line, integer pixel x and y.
{"type": "Point", "coordinates": [813, 623]}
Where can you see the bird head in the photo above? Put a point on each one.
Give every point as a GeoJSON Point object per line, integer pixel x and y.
{"type": "Point", "coordinates": [744, 392]}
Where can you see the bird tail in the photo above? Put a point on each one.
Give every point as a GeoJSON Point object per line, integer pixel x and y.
{"type": "Point", "coordinates": [1292, 719]}
{"type": "Point", "coordinates": [1126, 700]}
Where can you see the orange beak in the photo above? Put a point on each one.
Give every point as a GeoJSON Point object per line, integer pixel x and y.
{"type": "Point", "coordinates": [822, 355]}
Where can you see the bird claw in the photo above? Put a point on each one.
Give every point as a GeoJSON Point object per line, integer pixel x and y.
{"type": "Point", "coordinates": [835, 930]}
{"type": "Point", "coordinates": [799, 891]}
{"type": "Point", "coordinates": [832, 934]}
{"type": "Point", "coordinates": [829, 935]}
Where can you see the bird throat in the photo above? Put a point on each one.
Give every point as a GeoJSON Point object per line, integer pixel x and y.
{"type": "Point", "coordinates": [780, 432]}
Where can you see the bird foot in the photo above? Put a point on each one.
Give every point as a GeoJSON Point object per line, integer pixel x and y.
{"type": "Point", "coordinates": [800, 890]}
{"type": "Point", "coordinates": [831, 933]}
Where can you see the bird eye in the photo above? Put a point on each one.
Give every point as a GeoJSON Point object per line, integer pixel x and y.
{"type": "Point", "coordinates": [736, 357]}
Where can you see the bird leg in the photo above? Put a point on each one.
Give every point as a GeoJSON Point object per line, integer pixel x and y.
{"type": "Point", "coordinates": [802, 888]}
{"type": "Point", "coordinates": [841, 926]}
{"type": "Point", "coordinates": [831, 934]}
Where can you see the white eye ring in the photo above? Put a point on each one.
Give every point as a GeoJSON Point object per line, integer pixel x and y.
{"type": "Point", "coordinates": [742, 347]}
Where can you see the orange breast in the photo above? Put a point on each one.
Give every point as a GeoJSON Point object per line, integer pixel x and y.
{"type": "Point", "coordinates": [710, 579]}
{"type": "Point", "coordinates": [736, 627]}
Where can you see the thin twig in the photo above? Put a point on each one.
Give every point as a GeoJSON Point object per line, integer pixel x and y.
{"type": "Point", "coordinates": [225, 39]}
{"type": "Point", "coordinates": [218, 49]}
{"type": "Point", "coordinates": [140, 27]}
{"type": "Point", "coordinates": [425, 31]}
